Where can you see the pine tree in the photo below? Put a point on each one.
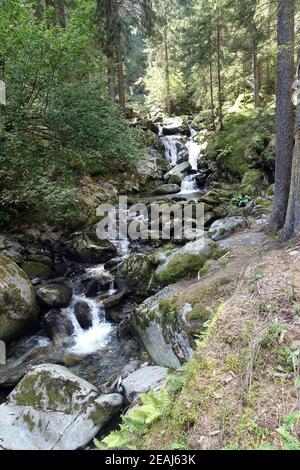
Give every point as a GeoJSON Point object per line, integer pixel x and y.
{"type": "Point", "coordinates": [284, 112]}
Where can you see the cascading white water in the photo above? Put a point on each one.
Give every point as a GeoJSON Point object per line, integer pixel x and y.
{"type": "Point", "coordinates": [98, 335]}
{"type": "Point", "coordinates": [194, 150]}
{"type": "Point", "coordinates": [189, 185]}
{"type": "Point", "coordinates": [171, 148]}
{"type": "Point", "coordinates": [160, 130]}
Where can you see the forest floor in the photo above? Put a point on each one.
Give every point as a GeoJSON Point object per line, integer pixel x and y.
{"type": "Point", "coordinates": [241, 390]}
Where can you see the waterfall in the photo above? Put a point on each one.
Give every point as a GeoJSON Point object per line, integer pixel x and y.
{"type": "Point", "coordinates": [189, 184]}
{"type": "Point", "coordinates": [97, 336]}
{"type": "Point", "coordinates": [160, 130]}
{"type": "Point", "coordinates": [171, 148]}
{"type": "Point", "coordinates": [194, 150]}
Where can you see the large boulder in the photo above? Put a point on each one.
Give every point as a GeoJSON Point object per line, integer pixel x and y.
{"type": "Point", "coordinates": [11, 248]}
{"type": "Point", "coordinates": [178, 171]}
{"type": "Point", "coordinates": [162, 331]}
{"type": "Point", "coordinates": [18, 308]}
{"type": "Point", "coordinates": [53, 409]}
{"type": "Point", "coordinates": [167, 189]}
{"type": "Point", "coordinates": [184, 262]}
{"type": "Point", "coordinates": [54, 295]}
{"type": "Point", "coordinates": [37, 269]}
{"type": "Point", "coordinates": [86, 247]}
{"type": "Point", "coordinates": [142, 380]}
{"type": "Point", "coordinates": [134, 274]}
{"type": "Point", "coordinates": [176, 125]}
{"type": "Point", "coordinates": [83, 314]}
{"type": "Point", "coordinates": [57, 326]}
{"type": "Point", "coordinates": [223, 228]}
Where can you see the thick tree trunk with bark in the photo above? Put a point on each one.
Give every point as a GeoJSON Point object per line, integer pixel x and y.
{"type": "Point", "coordinates": [256, 74]}
{"type": "Point", "coordinates": [219, 64]}
{"type": "Point", "coordinates": [284, 112]}
{"type": "Point", "coordinates": [211, 83]}
{"type": "Point", "coordinates": [121, 83]}
{"type": "Point", "coordinates": [167, 72]}
{"type": "Point", "coordinates": [212, 103]}
{"type": "Point", "coordinates": [109, 20]}
{"type": "Point", "coordinates": [292, 223]}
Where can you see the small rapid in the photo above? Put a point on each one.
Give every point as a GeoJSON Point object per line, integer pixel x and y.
{"type": "Point", "coordinates": [177, 151]}
{"type": "Point", "coordinates": [87, 341]}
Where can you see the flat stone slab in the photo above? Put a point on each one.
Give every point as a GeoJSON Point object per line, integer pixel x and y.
{"type": "Point", "coordinates": [143, 380]}
{"type": "Point", "coordinates": [250, 239]}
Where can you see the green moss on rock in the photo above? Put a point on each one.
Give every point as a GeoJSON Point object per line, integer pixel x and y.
{"type": "Point", "coordinates": [181, 267]}
{"type": "Point", "coordinates": [36, 269]}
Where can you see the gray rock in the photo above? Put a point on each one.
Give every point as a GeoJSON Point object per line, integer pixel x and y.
{"type": "Point", "coordinates": [82, 312]}
{"type": "Point", "coordinates": [37, 269]}
{"type": "Point", "coordinates": [142, 380]}
{"type": "Point", "coordinates": [167, 189]}
{"type": "Point", "coordinates": [57, 326]}
{"type": "Point", "coordinates": [54, 295]}
{"type": "Point", "coordinates": [53, 409]}
{"type": "Point", "coordinates": [18, 308]}
{"type": "Point", "coordinates": [11, 248]}
{"type": "Point", "coordinates": [134, 274]}
{"type": "Point", "coordinates": [184, 262]}
{"type": "Point", "coordinates": [88, 248]}
{"type": "Point", "coordinates": [178, 170]}
{"type": "Point", "coordinates": [223, 228]}
{"type": "Point", "coordinates": [165, 341]}
{"type": "Point", "coordinates": [243, 239]}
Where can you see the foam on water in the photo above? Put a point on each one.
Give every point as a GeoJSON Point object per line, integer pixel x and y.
{"type": "Point", "coordinates": [97, 336]}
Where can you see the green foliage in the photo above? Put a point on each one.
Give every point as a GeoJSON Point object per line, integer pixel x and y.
{"type": "Point", "coordinates": [136, 423]}
{"type": "Point", "coordinates": [58, 124]}
{"type": "Point", "coordinates": [288, 440]}
{"type": "Point", "coordinates": [228, 147]}
{"type": "Point", "coordinates": [240, 200]}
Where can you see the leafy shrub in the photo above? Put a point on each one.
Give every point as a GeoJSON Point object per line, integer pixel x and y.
{"type": "Point", "coordinates": [58, 123]}
{"type": "Point", "coordinates": [136, 423]}
{"type": "Point", "coordinates": [240, 200]}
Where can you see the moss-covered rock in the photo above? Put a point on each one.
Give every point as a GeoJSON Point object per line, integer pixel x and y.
{"type": "Point", "coordinates": [18, 308]}
{"type": "Point", "coordinates": [54, 295]}
{"type": "Point", "coordinates": [134, 274]}
{"type": "Point", "coordinates": [87, 247]}
{"type": "Point", "coordinates": [224, 227]}
{"type": "Point", "coordinates": [252, 182]}
{"type": "Point", "coordinates": [262, 206]}
{"type": "Point", "coordinates": [37, 269]}
{"type": "Point", "coordinates": [49, 407]}
{"type": "Point", "coordinates": [174, 179]}
{"type": "Point", "coordinates": [181, 267]}
{"type": "Point", "coordinates": [160, 327]}
{"type": "Point", "coordinates": [167, 189]}
{"type": "Point", "coordinates": [184, 263]}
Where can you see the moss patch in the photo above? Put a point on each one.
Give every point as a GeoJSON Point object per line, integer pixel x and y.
{"type": "Point", "coordinates": [181, 267]}
{"type": "Point", "coordinates": [36, 269]}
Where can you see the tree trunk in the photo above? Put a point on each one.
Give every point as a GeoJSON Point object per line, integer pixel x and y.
{"type": "Point", "coordinates": [284, 112]}
{"type": "Point", "coordinates": [62, 13]}
{"type": "Point", "coordinates": [212, 103]}
{"type": "Point", "coordinates": [269, 79]}
{"type": "Point", "coordinates": [109, 19]}
{"type": "Point", "coordinates": [167, 72]}
{"type": "Point", "coordinates": [220, 93]}
{"type": "Point", "coordinates": [292, 223]}
{"type": "Point", "coordinates": [256, 74]}
{"type": "Point", "coordinates": [121, 84]}
{"type": "Point", "coordinates": [211, 82]}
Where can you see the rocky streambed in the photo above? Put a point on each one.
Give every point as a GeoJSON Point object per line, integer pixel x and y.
{"type": "Point", "coordinates": [89, 324]}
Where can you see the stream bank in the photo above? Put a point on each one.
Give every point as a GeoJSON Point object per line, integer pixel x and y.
{"type": "Point", "coordinates": [106, 308]}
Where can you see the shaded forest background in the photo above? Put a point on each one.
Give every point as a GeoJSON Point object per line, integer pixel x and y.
{"type": "Point", "coordinates": [75, 69]}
